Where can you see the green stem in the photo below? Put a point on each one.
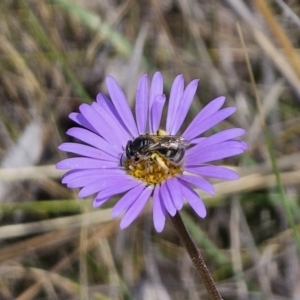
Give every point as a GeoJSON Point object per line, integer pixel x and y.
{"type": "Point", "coordinates": [196, 257]}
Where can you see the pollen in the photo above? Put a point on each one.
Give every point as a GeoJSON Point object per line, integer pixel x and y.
{"type": "Point", "coordinates": [152, 172]}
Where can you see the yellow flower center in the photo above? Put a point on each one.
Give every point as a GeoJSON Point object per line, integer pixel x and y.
{"type": "Point", "coordinates": [152, 172]}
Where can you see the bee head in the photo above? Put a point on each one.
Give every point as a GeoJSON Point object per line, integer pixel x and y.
{"type": "Point", "coordinates": [138, 147]}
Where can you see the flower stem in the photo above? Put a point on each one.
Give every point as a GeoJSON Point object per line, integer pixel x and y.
{"type": "Point", "coordinates": [196, 257]}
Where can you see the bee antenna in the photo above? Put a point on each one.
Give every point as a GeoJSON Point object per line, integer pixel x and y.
{"type": "Point", "coordinates": [121, 160]}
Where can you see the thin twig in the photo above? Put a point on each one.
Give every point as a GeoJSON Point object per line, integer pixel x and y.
{"type": "Point", "coordinates": [196, 257]}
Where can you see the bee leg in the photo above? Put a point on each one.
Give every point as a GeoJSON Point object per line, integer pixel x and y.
{"type": "Point", "coordinates": [160, 162]}
{"type": "Point", "coordinates": [149, 168]}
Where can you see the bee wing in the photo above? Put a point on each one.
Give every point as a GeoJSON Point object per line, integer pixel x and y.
{"type": "Point", "coordinates": [167, 141]}
{"type": "Point", "coordinates": [153, 147]}
{"type": "Point", "coordinates": [181, 141]}
{"type": "Point", "coordinates": [184, 142]}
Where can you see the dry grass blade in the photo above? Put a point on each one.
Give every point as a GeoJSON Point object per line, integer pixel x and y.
{"type": "Point", "coordinates": [45, 241]}
{"type": "Point", "coordinates": [21, 67]}
{"type": "Point", "coordinates": [97, 24]}
{"type": "Point", "coordinates": [279, 60]}
{"type": "Point", "coordinates": [29, 173]}
{"type": "Point", "coordinates": [102, 232]}
{"type": "Point", "coordinates": [283, 39]}
{"type": "Point", "coordinates": [18, 230]}
{"type": "Point", "coordinates": [256, 182]}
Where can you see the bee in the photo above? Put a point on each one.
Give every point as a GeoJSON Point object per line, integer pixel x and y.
{"type": "Point", "coordinates": [154, 147]}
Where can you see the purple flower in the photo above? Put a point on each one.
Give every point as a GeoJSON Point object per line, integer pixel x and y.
{"type": "Point", "coordinates": [105, 165]}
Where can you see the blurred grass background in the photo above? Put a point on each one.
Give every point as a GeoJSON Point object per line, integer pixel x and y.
{"type": "Point", "coordinates": [55, 54]}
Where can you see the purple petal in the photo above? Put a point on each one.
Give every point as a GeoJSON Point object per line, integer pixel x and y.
{"type": "Point", "coordinates": [175, 192]}
{"type": "Point", "coordinates": [107, 193]}
{"type": "Point", "coordinates": [95, 140]}
{"type": "Point", "coordinates": [106, 130]}
{"type": "Point", "coordinates": [141, 104]}
{"type": "Point", "coordinates": [214, 152]}
{"type": "Point", "coordinates": [244, 145]}
{"type": "Point", "coordinates": [156, 113]}
{"type": "Point", "coordinates": [108, 182]}
{"type": "Point", "coordinates": [210, 109]}
{"type": "Point", "coordinates": [200, 183]}
{"type": "Point", "coordinates": [119, 132]}
{"type": "Point", "coordinates": [198, 140]}
{"type": "Point", "coordinates": [224, 144]}
{"type": "Point", "coordinates": [159, 211]}
{"type": "Point", "coordinates": [223, 136]}
{"type": "Point", "coordinates": [213, 172]}
{"type": "Point", "coordinates": [81, 120]}
{"type": "Point", "coordinates": [118, 187]}
{"type": "Point", "coordinates": [65, 177]}
{"type": "Point", "coordinates": [79, 174]}
{"type": "Point", "coordinates": [99, 202]}
{"type": "Point", "coordinates": [203, 125]}
{"type": "Point", "coordinates": [174, 100]}
{"type": "Point", "coordinates": [136, 207]}
{"type": "Point", "coordinates": [184, 105]}
{"type": "Point", "coordinates": [166, 199]}
{"type": "Point", "coordinates": [193, 199]}
{"type": "Point", "coordinates": [108, 106]}
{"type": "Point", "coordinates": [84, 163]}
{"type": "Point", "coordinates": [156, 88]}
{"type": "Point", "coordinates": [219, 137]}
{"type": "Point", "coordinates": [125, 202]}
{"type": "Point", "coordinates": [121, 104]}
{"type": "Point", "coordinates": [80, 182]}
{"type": "Point", "coordinates": [86, 151]}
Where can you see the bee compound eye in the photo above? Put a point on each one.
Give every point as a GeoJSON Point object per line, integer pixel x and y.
{"type": "Point", "coordinates": [128, 149]}
{"type": "Point", "coordinates": [137, 144]}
